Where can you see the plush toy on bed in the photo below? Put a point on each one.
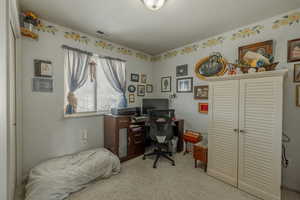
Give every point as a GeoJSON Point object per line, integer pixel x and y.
{"type": "Point", "coordinates": [57, 178]}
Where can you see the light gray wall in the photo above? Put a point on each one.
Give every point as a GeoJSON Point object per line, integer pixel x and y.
{"type": "Point", "coordinates": [186, 106]}
{"type": "Point", "coordinates": [46, 134]}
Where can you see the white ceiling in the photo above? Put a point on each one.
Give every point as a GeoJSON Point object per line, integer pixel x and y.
{"type": "Point", "coordinates": [179, 22]}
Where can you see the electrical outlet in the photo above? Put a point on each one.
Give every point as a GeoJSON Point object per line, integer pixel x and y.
{"type": "Point", "coordinates": [84, 136]}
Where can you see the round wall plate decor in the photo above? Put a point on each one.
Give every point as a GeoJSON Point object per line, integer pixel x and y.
{"type": "Point", "coordinates": [210, 66]}
{"type": "Point", "coordinates": [131, 88]}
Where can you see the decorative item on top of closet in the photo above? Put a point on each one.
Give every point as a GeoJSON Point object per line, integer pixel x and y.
{"type": "Point", "coordinates": [245, 131]}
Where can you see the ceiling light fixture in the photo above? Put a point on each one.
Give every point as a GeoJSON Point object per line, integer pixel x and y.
{"type": "Point", "coordinates": [154, 4]}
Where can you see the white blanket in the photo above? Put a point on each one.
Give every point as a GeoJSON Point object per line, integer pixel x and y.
{"type": "Point", "coordinates": [56, 179]}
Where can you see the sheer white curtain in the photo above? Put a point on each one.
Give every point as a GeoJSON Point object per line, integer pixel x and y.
{"type": "Point", "coordinates": [115, 74]}
{"type": "Point", "coordinates": [76, 74]}
{"type": "Point", "coordinates": [76, 64]}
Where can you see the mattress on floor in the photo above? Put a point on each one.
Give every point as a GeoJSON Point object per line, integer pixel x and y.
{"type": "Point", "coordinates": [56, 179]}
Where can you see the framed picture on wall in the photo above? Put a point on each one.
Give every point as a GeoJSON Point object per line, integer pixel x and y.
{"type": "Point", "coordinates": [43, 68]}
{"type": "Point", "coordinates": [131, 98]}
{"type": "Point", "coordinates": [141, 90]}
{"type": "Point", "coordinates": [149, 88]}
{"type": "Point", "coordinates": [135, 77]}
{"type": "Point", "coordinates": [166, 84]}
{"type": "Point", "coordinates": [293, 50]}
{"type": "Point", "coordinates": [42, 84]}
{"type": "Point", "coordinates": [297, 72]}
{"type": "Point", "coordinates": [201, 92]}
{"type": "Point", "coordinates": [131, 88]}
{"type": "Point", "coordinates": [182, 70]}
{"type": "Point", "coordinates": [184, 85]}
{"type": "Point", "coordinates": [298, 95]}
{"type": "Point", "coordinates": [143, 78]}
{"type": "Point", "coordinates": [263, 48]}
{"type": "Point", "coordinates": [203, 108]}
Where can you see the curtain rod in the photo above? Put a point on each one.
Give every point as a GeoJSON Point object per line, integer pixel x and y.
{"type": "Point", "coordinates": [90, 53]}
{"type": "Point", "coordinates": [75, 49]}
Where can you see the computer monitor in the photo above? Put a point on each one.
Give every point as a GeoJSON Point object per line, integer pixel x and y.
{"type": "Point", "coordinates": [157, 104]}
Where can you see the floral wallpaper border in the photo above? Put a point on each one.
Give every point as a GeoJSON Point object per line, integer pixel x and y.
{"type": "Point", "coordinates": [213, 42]}
{"type": "Point", "coordinates": [290, 19]}
{"type": "Point", "coordinates": [247, 32]}
{"type": "Point", "coordinates": [81, 38]}
{"type": "Point", "coordinates": [287, 20]}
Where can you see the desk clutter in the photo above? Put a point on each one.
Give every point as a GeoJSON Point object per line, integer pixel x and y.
{"type": "Point", "coordinates": [126, 135]}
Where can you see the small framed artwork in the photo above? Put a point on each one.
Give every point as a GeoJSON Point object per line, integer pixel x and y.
{"type": "Point", "coordinates": [166, 84]}
{"type": "Point", "coordinates": [149, 88]}
{"type": "Point", "coordinates": [297, 73]}
{"type": "Point", "coordinates": [182, 70]}
{"type": "Point", "coordinates": [131, 98]}
{"type": "Point", "coordinates": [262, 48]}
{"type": "Point", "coordinates": [201, 92]}
{"type": "Point", "coordinates": [131, 88]}
{"type": "Point", "coordinates": [135, 77]}
{"type": "Point", "coordinates": [203, 108]}
{"type": "Point", "coordinates": [298, 95]}
{"type": "Point", "coordinates": [43, 68]}
{"type": "Point", "coordinates": [141, 90]}
{"type": "Point", "coordinates": [184, 85]}
{"type": "Point", "coordinates": [42, 84]}
{"type": "Point", "coordinates": [143, 78]}
{"type": "Point", "coordinates": [293, 50]}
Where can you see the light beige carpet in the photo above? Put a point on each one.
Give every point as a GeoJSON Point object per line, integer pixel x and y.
{"type": "Point", "coordinates": [139, 181]}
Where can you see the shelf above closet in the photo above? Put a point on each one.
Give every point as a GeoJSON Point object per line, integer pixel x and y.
{"type": "Point", "coordinates": [281, 72]}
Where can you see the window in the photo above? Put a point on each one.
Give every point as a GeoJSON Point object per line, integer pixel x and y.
{"type": "Point", "coordinates": [96, 94]}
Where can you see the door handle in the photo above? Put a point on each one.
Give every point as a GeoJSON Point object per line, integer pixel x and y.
{"type": "Point", "coordinates": [235, 130]}
{"type": "Point", "coordinates": [242, 131]}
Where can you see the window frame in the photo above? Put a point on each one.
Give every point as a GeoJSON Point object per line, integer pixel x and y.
{"type": "Point", "coordinates": [87, 113]}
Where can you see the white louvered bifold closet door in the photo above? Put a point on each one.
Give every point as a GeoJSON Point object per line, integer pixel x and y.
{"type": "Point", "coordinates": [260, 124]}
{"type": "Point", "coordinates": [222, 138]}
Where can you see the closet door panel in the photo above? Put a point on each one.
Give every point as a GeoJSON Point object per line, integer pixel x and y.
{"type": "Point", "coordinates": [222, 137]}
{"type": "Point", "coordinates": [260, 124]}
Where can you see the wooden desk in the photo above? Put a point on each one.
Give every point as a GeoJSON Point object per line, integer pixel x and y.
{"type": "Point", "coordinates": [114, 125]}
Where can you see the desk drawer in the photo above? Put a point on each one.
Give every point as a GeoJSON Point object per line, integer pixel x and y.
{"type": "Point", "coordinates": [138, 138]}
{"type": "Point", "coordinates": [123, 122]}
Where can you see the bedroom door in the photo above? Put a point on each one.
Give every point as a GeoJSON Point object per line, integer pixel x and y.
{"type": "Point", "coordinates": [222, 131]}
{"type": "Point", "coordinates": [259, 171]}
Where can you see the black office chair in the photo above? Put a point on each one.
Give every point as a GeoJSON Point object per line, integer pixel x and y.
{"type": "Point", "coordinates": [161, 133]}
